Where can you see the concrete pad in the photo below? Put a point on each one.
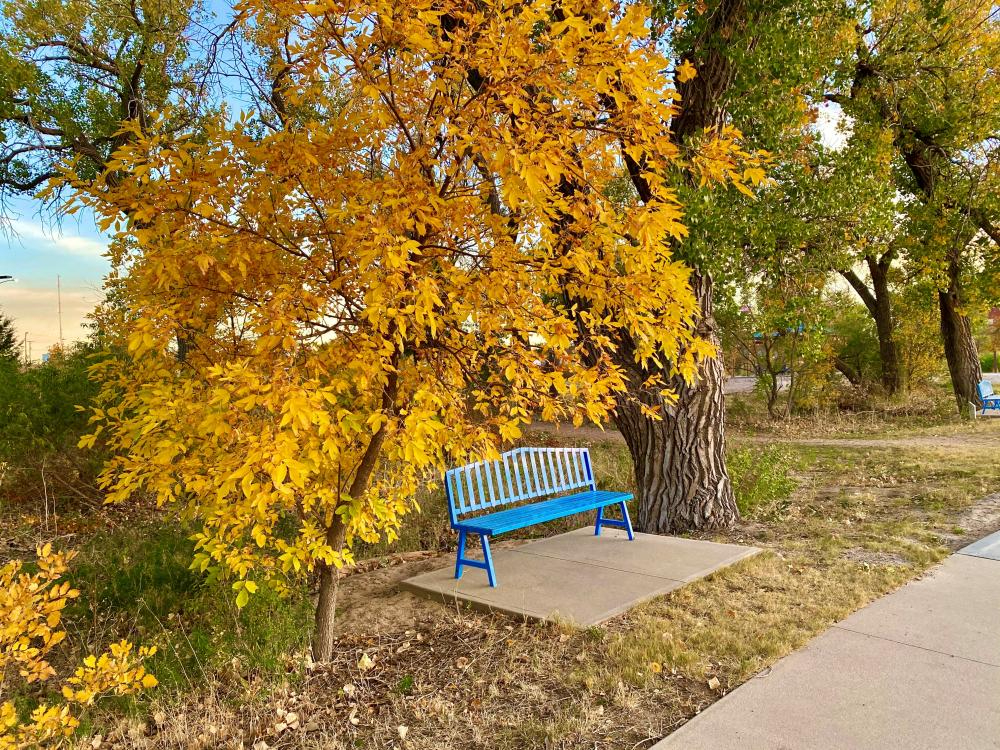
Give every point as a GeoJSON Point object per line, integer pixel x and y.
{"type": "Point", "coordinates": [581, 578]}
{"type": "Point", "coordinates": [925, 612]}
{"type": "Point", "coordinates": [848, 690]}
{"type": "Point", "coordinates": [988, 547]}
{"type": "Point", "coordinates": [649, 554]}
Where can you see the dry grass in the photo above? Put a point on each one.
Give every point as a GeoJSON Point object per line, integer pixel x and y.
{"type": "Point", "coordinates": [927, 411]}
{"type": "Point", "coordinates": [860, 523]}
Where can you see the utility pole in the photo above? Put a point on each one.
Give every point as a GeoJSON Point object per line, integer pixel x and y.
{"type": "Point", "coordinates": [24, 350]}
{"type": "Point", "coordinates": [59, 303]}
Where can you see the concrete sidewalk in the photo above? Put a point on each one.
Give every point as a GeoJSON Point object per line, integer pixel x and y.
{"type": "Point", "coordinates": [919, 668]}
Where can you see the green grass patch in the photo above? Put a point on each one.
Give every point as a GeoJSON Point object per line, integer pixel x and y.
{"type": "Point", "coordinates": [762, 479]}
{"type": "Point", "coordinates": [136, 583]}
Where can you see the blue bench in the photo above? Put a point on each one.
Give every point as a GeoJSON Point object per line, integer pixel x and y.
{"type": "Point", "coordinates": [987, 396]}
{"type": "Point", "coordinates": [551, 476]}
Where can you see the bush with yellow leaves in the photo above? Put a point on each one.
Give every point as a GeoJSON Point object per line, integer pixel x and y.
{"type": "Point", "coordinates": [31, 607]}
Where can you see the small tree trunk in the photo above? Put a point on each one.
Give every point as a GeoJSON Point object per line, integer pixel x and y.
{"type": "Point", "coordinates": [326, 605]}
{"type": "Point", "coordinates": [884, 326]}
{"type": "Point", "coordinates": [773, 393]}
{"type": "Point", "coordinates": [680, 464]}
{"type": "Point", "coordinates": [878, 301]}
{"type": "Point", "coordinates": [336, 534]}
{"type": "Point", "coordinates": [771, 373]}
{"type": "Point", "coordinates": [959, 344]}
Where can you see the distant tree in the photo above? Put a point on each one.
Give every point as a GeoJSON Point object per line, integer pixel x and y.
{"type": "Point", "coordinates": [9, 348]}
{"type": "Point", "coordinates": [779, 326]}
{"type": "Point", "coordinates": [925, 72]}
{"type": "Point", "coordinates": [73, 71]}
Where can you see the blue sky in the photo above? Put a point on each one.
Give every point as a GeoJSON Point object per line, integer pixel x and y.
{"type": "Point", "coordinates": [35, 252]}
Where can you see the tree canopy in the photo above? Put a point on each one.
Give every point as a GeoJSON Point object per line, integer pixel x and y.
{"type": "Point", "coordinates": [394, 280]}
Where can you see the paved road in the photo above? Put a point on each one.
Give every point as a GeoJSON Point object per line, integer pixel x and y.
{"type": "Point", "coordinates": [917, 669]}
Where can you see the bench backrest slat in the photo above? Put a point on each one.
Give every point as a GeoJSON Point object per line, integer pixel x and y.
{"type": "Point", "coordinates": [985, 388]}
{"type": "Point", "coordinates": [518, 475]}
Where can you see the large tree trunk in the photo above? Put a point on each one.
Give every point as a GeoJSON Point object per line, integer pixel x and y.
{"type": "Point", "coordinates": [959, 344]}
{"type": "Point", "coordinates": [879, 303]}
{"type": "Point", "coordinates": [680, 466]}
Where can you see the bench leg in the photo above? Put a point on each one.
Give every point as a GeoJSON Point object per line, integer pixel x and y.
{"type": "Point", "coordinates": [625, 523]}
{"type": "Point", "coordinates": [488, 558]}
{"type": "Point", "coordinates": [461, 561]}
{"type": "Point", "coordinates": [461, 554]}
{"type": "Point", "coordinates": [628, 522]}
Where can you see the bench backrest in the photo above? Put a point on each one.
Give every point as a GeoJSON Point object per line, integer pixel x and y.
{"type": "Point", "coordinates": [518, 475]}
{"type": "Point", "coordinates": [985, 388]}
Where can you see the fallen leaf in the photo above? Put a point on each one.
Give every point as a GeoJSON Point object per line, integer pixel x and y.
{"type": "Point", "coordinates": [655, 667]}
{"type": "Point", "coordinates": [403, 730]}
{"type": "Point", "coordinates": [713, 684]}
{"type": "Point", "coordinates": [462, 662]}
{"type": "Point", "coordinates": [365, 663]}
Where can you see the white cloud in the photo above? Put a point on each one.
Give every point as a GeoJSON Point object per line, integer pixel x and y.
{"type": "Point", "coordinates": [36, 312]}
{"type": "Point", "coordinates": [56, 241]}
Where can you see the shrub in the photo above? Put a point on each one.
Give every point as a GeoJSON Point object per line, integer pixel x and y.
{"type": "Point", "coordinates": [31, 611]}
{"type": "Point", "coordinates": [762, 479]}
{"type": "Point", "coordinates": [40, 426]}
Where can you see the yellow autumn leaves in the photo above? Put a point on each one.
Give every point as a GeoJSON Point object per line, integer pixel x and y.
{"type": "Point", "coordinates": [31, 606]}
{"type": "Point", "coordinates": [424, 256]}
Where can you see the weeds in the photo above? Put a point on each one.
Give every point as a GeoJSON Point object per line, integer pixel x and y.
{"type": "Point", "coordinates": [136, 582]}
{"type": "Point", "coordinates": [762, 479]}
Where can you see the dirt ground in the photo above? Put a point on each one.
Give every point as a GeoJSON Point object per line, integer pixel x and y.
{"type": "Point", "coordinates": [412, 673]}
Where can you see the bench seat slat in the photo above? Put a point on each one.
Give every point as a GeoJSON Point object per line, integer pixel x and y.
{"type": "Point", "coordinates": [548, 510]}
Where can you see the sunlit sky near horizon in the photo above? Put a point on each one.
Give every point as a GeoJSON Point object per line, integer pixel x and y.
{"type": "Point", "coordinates": [39, 254]}
{"type": "Point", "coordinates": [35, 252]}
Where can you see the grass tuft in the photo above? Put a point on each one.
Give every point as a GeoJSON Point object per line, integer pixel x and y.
{"type": "Point", "coordinates": [762, 479]}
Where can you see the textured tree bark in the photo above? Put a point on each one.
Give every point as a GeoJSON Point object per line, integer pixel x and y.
{"type": "Point", "coordinates": [326, 605]}
{"type": "Point", "coordinates": [680, 466]}
{"type": "Point", "coordinates": [885, 326]}
{"type": "Point", "coordinates": [959, 344]}
{"type": "Point", "coordinates": [679, 461]}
